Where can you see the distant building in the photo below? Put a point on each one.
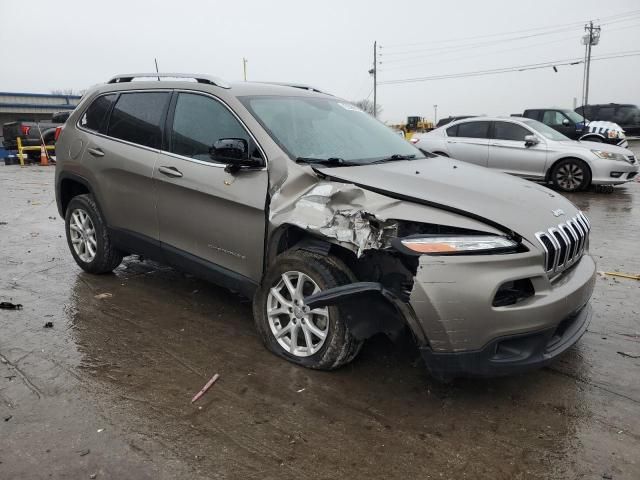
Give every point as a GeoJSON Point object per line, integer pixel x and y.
{"type": "Point", "coordinates": [33, 106]}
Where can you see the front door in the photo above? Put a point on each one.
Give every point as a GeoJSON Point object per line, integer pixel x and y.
{"type": "Point", "coordinates": [208, 216]}
{"type": "Point", "coordinates": [509, 153]}
{"type": "Point", "coordinates": [560, 122]}
{"type": "Point", "coordinates": [468, 141]}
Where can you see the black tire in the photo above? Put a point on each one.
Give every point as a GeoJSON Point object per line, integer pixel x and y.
{"type": "Point", "coordinates": [340, 347]}
{"type": "Point", "coordinates": [571, 175]}
{"type": "Point", "coordinates": [106, 258]}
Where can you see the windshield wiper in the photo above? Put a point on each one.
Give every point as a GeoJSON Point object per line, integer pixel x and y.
{"type": "Point", "coordinates": [394, 157]}
{"type": "Point", "coordinates": [333, 161]}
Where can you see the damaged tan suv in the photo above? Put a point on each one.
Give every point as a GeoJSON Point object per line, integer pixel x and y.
{"type": "Point", "coordinates": [336, 227]}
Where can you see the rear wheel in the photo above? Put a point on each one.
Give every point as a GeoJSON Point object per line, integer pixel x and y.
{"type": "Point", "coordinates": [317, 338]}
{"type": "Point", "coordinates": [88, 238]}
{"type": "Point", "coordinates": [571, 175]}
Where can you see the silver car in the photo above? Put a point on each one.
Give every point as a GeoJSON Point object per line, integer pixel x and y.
{"type": "Point", "coordinates": [530, 149]}
{"type": "Point", "coordinates": [336, 227]}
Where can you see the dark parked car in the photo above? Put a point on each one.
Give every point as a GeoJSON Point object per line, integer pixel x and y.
{"type": "Point", "coordinates": [624, 114]}
{"type": "Point", "coordinates": [575, 126]}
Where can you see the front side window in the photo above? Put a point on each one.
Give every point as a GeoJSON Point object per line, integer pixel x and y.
{"type": "Point", "coordinates": [552, 117]}
{"type": "Point", "coordinates": [628, 115]}
{"type": "Point", "coordinates": [95, 117]}
{"type": "Point", "coordinates": [509, 131]}
{"type": "Point", "coordinates": [322, 128]}
{"type": "Point", "coordinates": [473, 129]}
{"type": "Point", "coordinates": [137, 118]}
{"type": "Point", "coordinates": [200, 121]}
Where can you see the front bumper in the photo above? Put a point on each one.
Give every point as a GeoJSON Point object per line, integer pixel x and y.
{"type": "Point", "coordinates": [452, 300]}
{"type": "Point", "coordinates": [613, 172]}
{"type": "Point", "coordinates": [511, 354]}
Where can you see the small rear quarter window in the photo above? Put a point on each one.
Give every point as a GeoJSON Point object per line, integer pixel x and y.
{"type": "Point", "coordinates": [95, 117]}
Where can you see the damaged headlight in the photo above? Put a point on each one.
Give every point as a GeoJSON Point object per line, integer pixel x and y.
{"type": "Point", "coordinates": [453, 244]}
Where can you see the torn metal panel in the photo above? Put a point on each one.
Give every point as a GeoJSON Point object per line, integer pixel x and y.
{"type": "Point", "coordinates": [337, 211]}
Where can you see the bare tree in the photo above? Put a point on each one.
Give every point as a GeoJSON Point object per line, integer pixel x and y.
{"type": "Point", "coordinates": [367, 106]}
{"type": "Point", "coordinates": [66, 91]}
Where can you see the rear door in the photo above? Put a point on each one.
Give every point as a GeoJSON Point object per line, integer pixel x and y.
{"type": "Point", "coordinates": [509, 153]}
{"type": "Point", "coordinates": [122, 157]}
{"type": "Point", "coordinates": [469, 142]}
{"type": "Point", "coordinates": [208, 217]}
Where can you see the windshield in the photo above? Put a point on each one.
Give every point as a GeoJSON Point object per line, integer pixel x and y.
{"type": "Point", "coordinates": [574, 116]}
{"type": "Point", "coordinates": [544, 130]}
{"type": "Point", "coordinates": [310, 128]}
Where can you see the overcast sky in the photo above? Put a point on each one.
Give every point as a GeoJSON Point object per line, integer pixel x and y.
{"type": "Point", "coordinates": [329, 44]}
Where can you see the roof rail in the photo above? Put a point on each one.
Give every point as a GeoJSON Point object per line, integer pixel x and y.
{"type": "Point", "coordinates": [128, 77]}
{"type": "Point", "coordinates": [297, 85]}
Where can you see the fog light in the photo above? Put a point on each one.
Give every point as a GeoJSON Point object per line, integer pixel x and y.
{"type": "Point", "coordinates": [513, 292]}
{"type": "Point", "coordinates": [616, 174]}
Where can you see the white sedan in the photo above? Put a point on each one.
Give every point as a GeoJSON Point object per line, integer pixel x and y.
{"type": "Point", "coordinates": [532, 150]}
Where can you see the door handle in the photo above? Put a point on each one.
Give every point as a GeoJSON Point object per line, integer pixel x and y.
{"type": "Point", "coordinates": [451, 141]}
{"type": "Point", "coordinates": [96, 152]}
{"type": "Point", "coordinates": [170, 171]}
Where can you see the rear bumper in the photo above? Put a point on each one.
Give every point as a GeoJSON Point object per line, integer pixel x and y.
{"type": "Point", "coordinates": [513, 353]}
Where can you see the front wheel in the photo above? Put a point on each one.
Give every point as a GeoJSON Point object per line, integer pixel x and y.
{"type": "Point", "coordinates": [571, 175]}
{"type": "Point", "coordinates": [317, 338]}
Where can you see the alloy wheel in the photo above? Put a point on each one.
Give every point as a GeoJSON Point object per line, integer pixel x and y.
{"type": "Point", "coordinates": [298, 329]}
{"type": "Point", "coordinates": [570, 176]}
{"type": "Point", "coordinates": [83, 235]}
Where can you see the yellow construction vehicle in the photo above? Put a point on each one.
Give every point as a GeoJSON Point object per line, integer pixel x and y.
{"type": "Point", "coordinates": [414, 124]}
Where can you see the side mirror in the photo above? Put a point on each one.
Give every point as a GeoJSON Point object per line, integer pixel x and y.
{"type": "Point", "coordinates": [234, 152]}
{"type": "Point", "coordinates": [566, 122]}
{"type": "Point", "coordinates": [530, 140]}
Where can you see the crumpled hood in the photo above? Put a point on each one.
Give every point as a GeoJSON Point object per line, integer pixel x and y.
{"type": "Point", "coordinates": [499, 199]}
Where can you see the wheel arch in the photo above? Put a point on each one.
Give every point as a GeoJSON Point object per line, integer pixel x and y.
{"type": "Point", "coordinates": [589, 135]}
{"type": "Point", "coordinates": [568, 157]}
{"type": "Point", "coordinates": [71, 185]}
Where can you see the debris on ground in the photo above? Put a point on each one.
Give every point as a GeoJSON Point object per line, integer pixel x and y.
{"type": "Point", "coordinates": [8, 417]}
{"type": "Point", "coordinates": [100, 296]}
{"type": "Point", "coordinates": [10, 306]}
{"type": "Point", "coordinates": [84, 452]}
{"type": "Point", "coordinates": [300, 391]}
{"type": "Point", "coordinates": [4, 223]}
{"type": "Point", "coordinates": [48, 325]}
{"type": "Point", "coordinates": [619, 274]}
{"type": "Point", "coordinates": [204, 390]}
{"type": "Point", "coordinates": [629, 354]}
{"type": "Point", "coordinates": [100, 430]}
{"type": "Point", "coordinates": [93, 475]}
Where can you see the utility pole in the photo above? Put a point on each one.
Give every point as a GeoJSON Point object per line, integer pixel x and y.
{"type": "Point", "coordinates": [374, 72]}
{"type": "Point", "coordinates": [156, 60]}
{"type": "Point", "coordinates": [591, 38]}
{"type": "Point", "coordinates": [435, 114]}
{"type": "Point", "coordinates": [244, 67]}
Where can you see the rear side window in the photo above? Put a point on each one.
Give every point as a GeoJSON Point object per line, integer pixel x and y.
{"type": "Point", "coordinates": [200, 121]}
{"type": "Point", "coordinates": [137, 118]}
{"type": "Point", "coordinates": [95, 117]}
{"type": "Point", "coordinates": [509, 131]}
{"type": "Point", "coordinates": [473, 130]}
{"type": "Point", "coordinates": [452, 131]}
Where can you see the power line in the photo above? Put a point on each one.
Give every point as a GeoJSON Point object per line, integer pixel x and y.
{"type": "Point", "coordinates": [416, 63]}
{"type": "Point", "coordinates": [518, 68]}
{"type": "Point", "coordinates": [602, 20]}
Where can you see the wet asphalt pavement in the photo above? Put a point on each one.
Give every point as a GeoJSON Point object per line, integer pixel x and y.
{"type": "Point", "coordinates": [106, 391]}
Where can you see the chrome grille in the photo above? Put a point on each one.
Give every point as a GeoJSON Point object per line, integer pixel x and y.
{"type": "Point", "coordinates": [564, 244]}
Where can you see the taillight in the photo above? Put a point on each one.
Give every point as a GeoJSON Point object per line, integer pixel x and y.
{"type": "Point", "coordinates": [25, 130]}
{"type": "Point", "coordinates": [58, 132]}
